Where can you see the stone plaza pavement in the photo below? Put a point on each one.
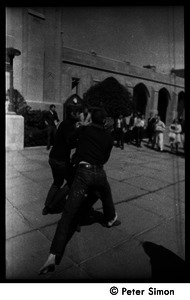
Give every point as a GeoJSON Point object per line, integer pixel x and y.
{"type": "Point", "coordinates": [149, 194]}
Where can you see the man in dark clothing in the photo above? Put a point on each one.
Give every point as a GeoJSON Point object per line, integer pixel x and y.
{"type": "Point", "coordinates": [131, 133]}
{"type": "Point", "coordinates": [51, 120]}
{"type": "Point", "coordinates": [120, 127]}
{"type": "Point", "coordinates": [59, 158]}
{"type": "Point", "coordinates": [93, 151]}
{"type": "Point", "coordinates": [150, 128]}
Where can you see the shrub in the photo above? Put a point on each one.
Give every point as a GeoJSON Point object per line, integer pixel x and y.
{"type": "Point", "coordinates": [112, 95]}
{"type": "Point", "coordinates": [19, 104]}
{"type": "Point", "coordinates": [35, 137]}
{"type": "Point", "coordinates": [35, 133]}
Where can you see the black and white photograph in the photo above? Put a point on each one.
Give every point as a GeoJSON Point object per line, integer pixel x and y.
{"type": "Point", "coordinates": [95, 146]}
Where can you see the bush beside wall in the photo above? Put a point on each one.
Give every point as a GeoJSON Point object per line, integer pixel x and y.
{"type": "Point", "coordinates": [35, 132]}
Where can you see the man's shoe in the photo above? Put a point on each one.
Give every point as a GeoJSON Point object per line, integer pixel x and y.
{"type": "Point", "coordinates": [45, 211]}
{"type": "Point", "coordinates": [46, 269]}
{"type": "Point", "coordinates": [114, 222]}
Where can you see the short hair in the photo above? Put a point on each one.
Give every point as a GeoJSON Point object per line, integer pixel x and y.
{"type": "Point", "coordinates": [98, 115]}
{"type": "Point", "coordinates": [51, 106]}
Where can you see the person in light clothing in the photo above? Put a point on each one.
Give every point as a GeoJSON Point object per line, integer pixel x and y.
{"type": "Point", "coordinates": [139, 128]}
{"type": "Point", "coordinates": [159, 129]}
{"type": "Point", "coordinates": [175, 135]}
{"type": "Point", "coordinates": [85, 117]}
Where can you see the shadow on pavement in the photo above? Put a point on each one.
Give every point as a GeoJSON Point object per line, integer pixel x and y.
{"type": "Point", "coordinates": [181, 154]}
{"type": "Point", "coordinates": [166, 266]}
{"type": "Point", "coordinates": [93, 217]}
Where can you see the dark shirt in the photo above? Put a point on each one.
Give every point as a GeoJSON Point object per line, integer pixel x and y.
{"type": "Point", "coordinates": [151, 123]}
{"type": "Point", "coordinates": [62, 148]}
{"type": "Point", "coordinates": [50, 117]}
{"type": "Point", "coordinates": [94, 144]}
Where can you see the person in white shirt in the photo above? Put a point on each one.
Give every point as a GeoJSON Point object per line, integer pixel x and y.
{"type": "Point", "coordinates": [175, 135]}
{"type": "Point", "coordinates": [159, 130]}
{"type": "Point", "coordinates": [85, 117]}
{"type": "Point", "coordinates": [120, 128]}
{"type": "Point", "coordinates": [139, 127]}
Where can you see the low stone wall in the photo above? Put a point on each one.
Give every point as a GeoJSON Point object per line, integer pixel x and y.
{"type": "Point", "coordinates": [14, 132]}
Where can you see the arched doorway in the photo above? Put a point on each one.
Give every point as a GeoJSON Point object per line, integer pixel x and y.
{"type": "Point", "coordinates": [140, 98]}
{"type": "Point", "coordinates": [181, 105]}
{"type": "Point", "coordinates": [73, 101]}
{"type": "Point", "coordinates": [163, 100]}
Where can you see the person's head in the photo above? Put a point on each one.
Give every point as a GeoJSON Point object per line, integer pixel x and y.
{"type": "Point", "coordinates": [158, 118]}
{"type": "Point", "coordinates": [98, 116]}
{"type": "Point", "coordinates": [52, 107]}
{"type": "Point", "coordinates": [121, 116]}
{"type": "Point", "coordinates": [86, 110]}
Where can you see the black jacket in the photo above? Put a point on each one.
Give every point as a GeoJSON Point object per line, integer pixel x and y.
{"type": "Point", "coordinates": [61, 148]}
{"type": "Point", "coordinates": [51, 117]}
{"type": "Point", "coordinates": [94, 144]}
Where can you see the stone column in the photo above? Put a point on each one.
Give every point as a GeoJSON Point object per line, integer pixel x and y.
{"type": "Point", "coordinates": [172, 108]}
{"type": "Point", "coordinates": [154, 101]}
{"type": "Point", "coordinates": [14, 122]}
{"type": "Point", "coordinates": [129, 87]}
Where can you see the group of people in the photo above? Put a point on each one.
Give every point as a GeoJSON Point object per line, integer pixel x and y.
{"type": "Point", "coordinates": [129, 129]}
{"type": "Point", "coordinates": [177, 134]}
{"type": "Point", "coordinates": [134, 128]}
{"type": "Point", "coordinates": [83, 174]}
{"type": "Point", "coordinates": [155, 132]}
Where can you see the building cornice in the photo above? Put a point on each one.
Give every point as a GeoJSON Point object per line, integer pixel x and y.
{"type": "Point", "coordinates": [94, 61]}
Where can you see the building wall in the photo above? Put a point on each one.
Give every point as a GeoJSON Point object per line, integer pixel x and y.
{"type": "Point", "coordinates": [90, 68]}
{"type": "Point", "coordinates": [44, 71]}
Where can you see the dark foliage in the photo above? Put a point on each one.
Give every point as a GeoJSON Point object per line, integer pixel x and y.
{"type": "Point", "coordinates": [19, 104]}
{"type": "Point", "coordinates": [34, 136]}
{"type": "Point", "coordinates": [112, 95]}
{"type": "Point", "coordinates": [35, 132]}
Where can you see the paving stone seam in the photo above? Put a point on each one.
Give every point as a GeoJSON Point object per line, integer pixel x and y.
{"type": "Point", "coordinates": [152, 212]}
{"type": "Point", "coordinates": [151, 177]}
{"type": "Point", "coordinates": [20, 214]}
{"type": "Point", "coordinates": [34, 180]}
{"type": "Point", "coordinates": [99, 208]}
{"type": "Point", "coordinates": [105, 251]}
{"type": "Point", "coordinates": [156, 190]}
{"type": "Point", "coordinates": [32, 230]}
{"type": "Point", "coordinates": [62, 270]}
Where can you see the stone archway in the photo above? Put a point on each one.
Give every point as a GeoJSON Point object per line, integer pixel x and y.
{"type": "Point", "coordinates": [163, 101]}
{"type": "Point", "coordinates": [140, 98]}
{"type": "Point", "coordinates": [181, 105]}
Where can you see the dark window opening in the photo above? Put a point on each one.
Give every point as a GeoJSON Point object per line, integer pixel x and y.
{"type": "Point", "coordinates": [75, 85]}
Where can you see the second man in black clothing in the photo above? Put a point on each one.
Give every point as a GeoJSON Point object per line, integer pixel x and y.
{"type": "Point", "coordinates": [59, 158]}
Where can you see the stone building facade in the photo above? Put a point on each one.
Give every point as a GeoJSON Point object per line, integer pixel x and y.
{"type": "Point", "coordinates": [48, 72]}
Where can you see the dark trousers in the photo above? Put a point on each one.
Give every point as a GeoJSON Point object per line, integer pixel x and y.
{"type": "Point", "coordinates": [59, 171]}
{"type": "Point", "coordinates": [150, 133]}
{"type": "Point", "coordinates": [85, 179]}
{"type": "Point", "coordinates": [51, 131]}
{"type": "Point", "coordinates": [120, 137]}
{"type": "Point", "coordinates": [138, 135]}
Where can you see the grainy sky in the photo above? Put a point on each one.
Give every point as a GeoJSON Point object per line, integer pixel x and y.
{"type": "Point", "coordinates": [139, 34]}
